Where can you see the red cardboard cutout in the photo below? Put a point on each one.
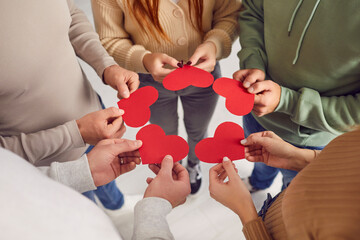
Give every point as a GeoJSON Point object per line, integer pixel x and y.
{"type": "Point", "coordinates": [186, 76]}
{"type": "Point", "coordinates": [136, 107]}
{"type": "Point", "coordinates": [156, 145]}
{"type": "Point", "coordinates": [225, 143]}
{"type": "Point", "coordinates": [238, 100]}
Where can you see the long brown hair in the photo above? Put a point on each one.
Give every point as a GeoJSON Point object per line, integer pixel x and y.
{"type": "Point", "coordinates": [146, 12]}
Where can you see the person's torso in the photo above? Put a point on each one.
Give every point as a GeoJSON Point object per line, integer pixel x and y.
{"type": "Point", "coordinates": [42, 84]}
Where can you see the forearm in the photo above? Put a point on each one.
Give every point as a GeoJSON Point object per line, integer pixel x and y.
{"type": "Point", "coordinates": [251, 22]}
{"type": "Point", "coordinates": [75, 174]}
{"type": "Point", "coordinates": [308, 108]}
{"type": "Point", "coordinates": [150, 219]}
{"type": "Point", "coordinates": [109, 24]}
{"type": "Point", "coordinates": [302, 157]}
{"type": "Point", "coordinates": [225, 26]}
{"type": "Point", "coordinates": [52, 142]}
{"type": "Point", "coordinates": [85, 41]}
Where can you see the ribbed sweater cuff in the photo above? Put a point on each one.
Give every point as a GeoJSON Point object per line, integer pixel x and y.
{"type": "Point", "coordinates": [74, 131]}
{"type": "Point", "coordinates": [256, 230]}
{"type": "Point", "coordinates": [288, 101]}
{"type": "Point", "coordinates": [106, 63]}
{"type": "Point", "coordinates": [75, 174]}
{"type": "Point", "coordinates": [222, 42]}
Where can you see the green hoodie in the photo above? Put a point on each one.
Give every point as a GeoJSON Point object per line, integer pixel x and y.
{"type": "Point", "coordinates": [311, 48]}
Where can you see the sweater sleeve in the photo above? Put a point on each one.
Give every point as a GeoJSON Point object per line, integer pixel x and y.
{"type": "Point", "coordinates": [85, 41]}
{"type": "Point", "coordinates": [251, 21]}
{"type": "Point", "coordinates": [225, 26]}
{"type": "Point", "coordinates": [109, 23]}
{"type": "Point", "coordinates": [37, 146]}
{"type": "Point", "coordinates": [308, 108]}
{"type": "Point", "coordinates": [150, 219]}
{"type": "Point", "coordinates": [75, 174]}
{"type": "Point", "coordinates": [256, 230]}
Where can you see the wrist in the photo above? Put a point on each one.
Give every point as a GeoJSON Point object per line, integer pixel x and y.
{"type": "Point", "coordinates": [105, 73]}
{"type": "Point", "coordinates": [247, 213]}
{"type": "Point", "coordinates": [302, 158]}
{"type": "Point", "coordinates": [213, 45]}
{"type": "Point", "coordinates": [81, 129]}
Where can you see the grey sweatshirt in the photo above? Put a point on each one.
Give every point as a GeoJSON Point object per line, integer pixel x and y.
{"type": "Point", "coordinates": [37, 207]}
{"type": "Point", "coordinates": [43, 88]}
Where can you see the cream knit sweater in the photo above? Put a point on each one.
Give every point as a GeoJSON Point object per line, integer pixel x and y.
{"type": "Point", "coordinates": [122, 37]}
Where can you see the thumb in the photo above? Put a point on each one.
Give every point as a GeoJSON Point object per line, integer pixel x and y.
{"type": "Point", "coordinates": [229, 168]}
{"type": "Point", "coordinates": [113, 112]}
{"type": "Point", "coordinates": [167, 166]}
{"type": "Point", "coordinates": [253, 139]}
{"type": "Point", "coordinates": [125, 146]}
{"type": "Point", "coordinates": [123, 90]}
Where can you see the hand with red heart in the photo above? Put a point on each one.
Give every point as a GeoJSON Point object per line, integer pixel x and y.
{"type": "Point", "coordinates": [137, 106]}
{"type": "Point", "coordinates": [225, 143]}
{"type": "Point", "coordinates": [238, 100]}
{"type": "Point", "coordinates": [187, 75]}
{"type": "Point", "coordinates": [156, 145]}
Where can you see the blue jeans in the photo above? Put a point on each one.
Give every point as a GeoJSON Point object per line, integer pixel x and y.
{"type": "Point", "coordinates": [263, 176]}
{"type": "Point", "coordinates": [109, 194]}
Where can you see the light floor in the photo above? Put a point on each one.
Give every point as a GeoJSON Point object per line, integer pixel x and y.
{"type": "Point", "coordinates": [200, 217]}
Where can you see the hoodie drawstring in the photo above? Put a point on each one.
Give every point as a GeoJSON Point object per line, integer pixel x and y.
{"type": "Point", "coordinates": [293, 16]}
{"type": "Point", "coordinates": [305, 28]}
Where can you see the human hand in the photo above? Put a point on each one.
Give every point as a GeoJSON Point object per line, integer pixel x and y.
{"type": "Point", "coordinates": [233, 193]}
{"type": "Point", "coordinates": [205, 54]}
{"type": "Point", "coordinates": [249, 76]}
{"type": "Point", "coordinates": [112, 157]}
{"type": "Point", "coordinates": [155, 62]}
{"type": "Point", "coordinates": [103, 124]}
{"type": "Point", "coordinates": [171, 182]}
{"type": "Point", "coordinates": [267, 97]}
{"type": "Point", "coordinates": [270, 149]}
{"type": "Point", "coordinates": [122, 80]}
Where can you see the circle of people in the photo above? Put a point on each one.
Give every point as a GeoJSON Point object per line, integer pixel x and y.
{"type": "Point", "coordinates": [298, 90]}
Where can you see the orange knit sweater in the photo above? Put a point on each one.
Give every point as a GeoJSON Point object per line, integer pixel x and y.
{"type": "Point", "coordinates": [323, 200]}
{"type": "Point", "coordinates": [122, 37]}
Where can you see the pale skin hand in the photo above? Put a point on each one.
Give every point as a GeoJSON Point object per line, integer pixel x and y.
{"type": "Point", "coordinates": [233, 193]}
{"type": "Point", "coordinates": [105, 159]}
{"type": "Point", "coordinates": [204, 56]}
{"type": "Point", "coordinates": [155, 65]}
{"type": "Point", "coordinates": [267, 93]}
{"type": "Point", "coordinates": [249, 76]}
{"type": "Point", "coordinates": [122, 80]}
{"type": "Point", "coordinates": [171, 182]}
{"type": "Point", "coordinates": [270, 149]}
{"type": "Point", "coordinates": [103, 124]}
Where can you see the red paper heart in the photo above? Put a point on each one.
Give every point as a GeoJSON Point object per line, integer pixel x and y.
{"type": "Point", "coordinates": [156, 145]}
{"type": "Point", "coordinates": [238, 100]}
{"type": "Point", "coordinates": [187, 76]}
{"type": "Point", "coordinates": [136, 107]}
{"type": "Point", "coordinates": [225, 143]}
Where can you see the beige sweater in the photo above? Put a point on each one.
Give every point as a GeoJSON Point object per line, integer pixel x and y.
{"type": "Point", "coordinates": [43, 89]}
{"type": "Point", "coordinates": [123, 39]}
{"type": "Point", "coordinates": [323, 200]}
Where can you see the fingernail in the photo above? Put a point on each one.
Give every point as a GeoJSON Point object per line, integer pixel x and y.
{"type": "Point", "coordinates": [226, 159]}
{"type": "Point", "coordinates": [189, 63]}
{"type": "Point", "coordinates": [138, 142]}
{"type": "Point", "coordinates": [243, 141]}
{"type": "Point", "coordinates": [168, 157]}
{"type": "Point", "coordinates": [250, 90]}
{"type": "Point", "coordinates": [126, 94]}
{"type": "Point", "coordinates": [246, 84]}
{"type": "Point", "coordinates": [121, 111]}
